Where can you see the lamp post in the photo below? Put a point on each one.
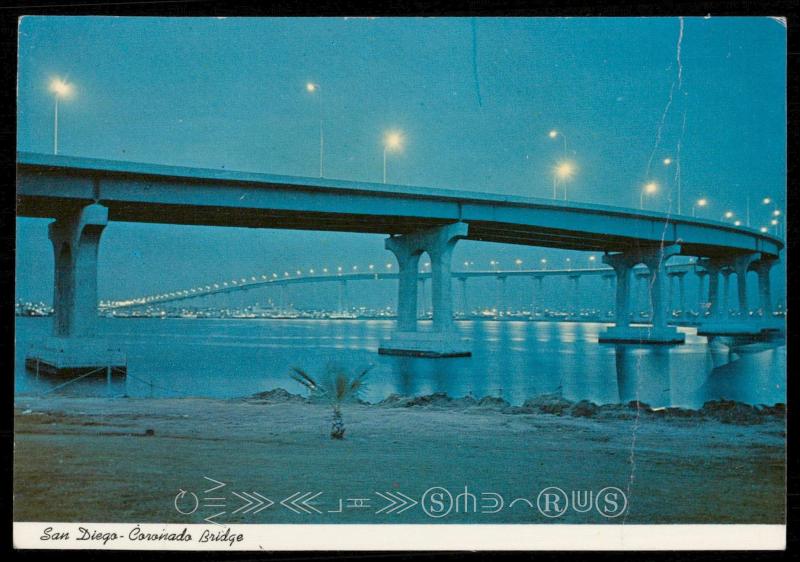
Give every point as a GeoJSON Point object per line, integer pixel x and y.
{"type": "Point", "coordinates": [393, 140]}
{"type": "Point", "coordinates": [564, 171]}
{"type": "Point", "coordinates": [60, 89]}
{"type": "Point", "coordinates": [313, 88]}
{"type": "Point", "coordinates": [649, 188]}
{"type": "Point", "coordinates": [554, 134]}
{"type": "Point", "coordinates": [702, 202]}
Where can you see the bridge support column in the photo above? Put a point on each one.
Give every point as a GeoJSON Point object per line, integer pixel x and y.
{"type": "Point", "coordinates": [717, 324]}
{"type": "Point", "coordinates": [343, 304]}
{"type": "Point", "coordinates": [726, 293]}
{"type": "Point", "coordinates": [763, 267]}
{"type": "Point", "coordinates": [681, 275]}
{"type": "Point", "coordinates": [464, 304]}
{"type": "Point", "coordinates": [442, 341]}
{"type": "Point", "coordinates": [655, 259]}
{"type": "Point", "coordinates": [537, 294]}
{"type": "Point", "coordinates": [574, 304]}
{"type": "Point", "coordinates": [741, 266]}
{"type": "Point", "coordinates": [74, 347]}
{"type": "Point", "coordinates": [701, 291]}
{"type": "Point", "coordinates": [502, 304]}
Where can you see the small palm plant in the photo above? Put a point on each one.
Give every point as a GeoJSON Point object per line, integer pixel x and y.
{"type": "Point", "coordinates": [337, 387]}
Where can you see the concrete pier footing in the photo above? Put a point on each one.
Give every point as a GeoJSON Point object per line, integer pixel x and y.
{"type": "Point", "coordinates": [74, 357]}
{"type": "Point", "coordinates": [426, 344]}
{"type": "Point", "coordinates": [642, 334]}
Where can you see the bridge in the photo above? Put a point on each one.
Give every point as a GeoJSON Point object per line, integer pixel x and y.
{"type": "Point", "coordinates": [675, 272]}
{"type": "Point", "coordinates": [84, 194]}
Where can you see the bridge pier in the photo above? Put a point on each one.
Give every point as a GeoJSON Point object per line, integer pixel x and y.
{"type": "Point", "coordinates": [343, 304]}
{"type": "Point", "coordinates": [655, 259]}
{"type": "Point", "coordinates": [574, 306]}
{"type": "Point", "coordinates": [442, 341]}
{"type": "Point", "coordinates": [743, 325]}
{"type": "Point", "coordinates": [701, 291]}
{"type": "Point", "coordinates": [464, 304]}
{"type": "Point", "coordinates": [74, 347]}
{"type": "Point", "coordinates": [502, 304]}
{"type": "Point", "coordinates": [537, 293]}
{"type": "Point", "coordinates": [681, 276]}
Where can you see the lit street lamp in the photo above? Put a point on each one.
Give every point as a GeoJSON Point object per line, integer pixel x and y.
{"type": "Point", "coordinates": [544, 263]}
{"type": "Point", "coordinates": [518, 263]}
{"type": "Point", "coordinates": [393, 141]}
{"type": "Point", "coordinates": [555, 134]}
{"type": "Point", "coordinates": [60, 89]}
{"type": "Point", "coordinates": [702, 202]}
{"type": "Point", "coordinates": [563, 171]}
{"type": "Point", "coordinates": [649, 188]}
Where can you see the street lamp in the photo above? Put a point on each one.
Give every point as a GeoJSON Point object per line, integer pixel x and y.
{"type": "Point", "coordinates": [544, 263]}
{"type": "Point", "coordinates": [702, 202]}
{"type": "Point", "coordinates": [553, 134]}
{"type": "Point", "coordinates": [728, 214]}
{"type": "Point", "coordinates": [667, 161]}
{"type": "Point", "coordinates": [737, 223]}
{"type": "Point", "coordinates": [518, 263]}
{"type": "Point", "coordinates": [313, 88]}
{"type": "Point", "coordinates": [393, 140]}
{"type": "Point", "coordinates": [591, 261]}
{"type": "Point", "coordinates": [564, 171]}
{"type": "Point", "coordinates": [649, 188]}
{"type": "Point", "coordinates": [60, 89]}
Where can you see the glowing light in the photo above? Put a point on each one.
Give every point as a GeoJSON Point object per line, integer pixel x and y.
{"type": "Point", "coordinates": [767, 201]}
{"type": "Point", "coordinates": [667, 161]}
{"type": "Point", "coordinates": [60, 88]}
{"type": "Point", "coordinates": [776, 213]}
{"type": "Point", "coordinates": [388, 266]}
{"type": "Point", "coordinates": [393, 140]}
{"type": "Point", "coordinates": [650, 187]}
{"type": "Point", "coordinates": [591, 258]}
{"type": "Point", "coordinates": [565, 170]}
{"type": "Point", "coordinates": [553, 134]}
{"type": "Point", "coordinates": [311, 87]}
{"type": "Point", "coordinates": [702, 202]}
{"type": "Point", "coordinates": [774, 222]}
{"type": "Point", "coordinates": [728, 214]}
{"type": "Point", "coordinates": [737, 223]}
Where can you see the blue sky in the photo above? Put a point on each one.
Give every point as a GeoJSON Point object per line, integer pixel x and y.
{"type": "Point", "coordinates": [474, 98]}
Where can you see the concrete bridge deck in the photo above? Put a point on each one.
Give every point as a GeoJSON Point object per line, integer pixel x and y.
{"type": "Point", "coordinates": [83, 194]}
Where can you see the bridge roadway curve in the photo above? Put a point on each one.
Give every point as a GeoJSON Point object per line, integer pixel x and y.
{"type": "Point", "coordinates": [47, 185]}
{"type": "Point", "coordinates": [261, 281]}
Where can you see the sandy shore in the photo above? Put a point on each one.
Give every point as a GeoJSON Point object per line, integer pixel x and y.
{"type": "Point", "coordinates": [95, 459]}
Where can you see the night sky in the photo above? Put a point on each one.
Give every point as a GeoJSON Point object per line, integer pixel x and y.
{"type": "Point", "coordinates": [474, 99]}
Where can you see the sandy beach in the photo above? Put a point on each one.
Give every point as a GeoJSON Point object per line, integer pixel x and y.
{"type": "Point", "coordinates": [126, 460]}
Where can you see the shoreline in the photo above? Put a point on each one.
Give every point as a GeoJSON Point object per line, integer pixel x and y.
{"type": "Point", "coordinates": [112, 459]}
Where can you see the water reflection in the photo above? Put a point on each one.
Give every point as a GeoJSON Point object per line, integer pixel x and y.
{"type": "Point", "coordinates": [514, 360]}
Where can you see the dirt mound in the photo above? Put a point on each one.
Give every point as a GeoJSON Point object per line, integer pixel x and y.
{"type": "Point", "coordinates": [278, 395]}
{"type": "Point", "coordinates": [547, 404]}
{"type": "Point", "coordinates": [730, 411]}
